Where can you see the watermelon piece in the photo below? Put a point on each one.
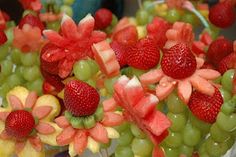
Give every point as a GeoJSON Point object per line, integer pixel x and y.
{"type": "Point", "coordinates": [158, 152]}
{"type": "Point", "coordinates": [198, 47]}
{"type": "Point", "coordinates": [206, 38]}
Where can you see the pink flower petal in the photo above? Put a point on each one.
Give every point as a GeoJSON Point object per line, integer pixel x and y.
{"type": "Point", "coordinates": [45, 128]}
{"type": "Point", "coordinates": [109, 105]}
{"type": "Point", "coordinates": [4, 135]}
{"type": "Point", "coordinates": [184, 90]}
{"type": "Point", "coordinates": [202, 85]}
{"type": "Point", "coordinates": [69, 28]}
{"type": "Point", "coordinates": [208, 74]}
{"type": "Point", "coordinates": [151, 77]}
{"type": "Point", "coordinates": [164, 88]}
{"type": "Point", "coordinates": [15, 102]}
{"type": "Point", "coordinates": [36, 143]}
{"type": "Point", "coordinates": [66, 136]}
{"type": "Point", "coordinates": [200, 62]}
{"type": "Point", "coordinates": [85, 26]}
{"type": "Point", "coordinates": [41, 111]}
{"type": "Point", "coordinates": [31, 100]}
{"type": "Point", "coordinates": [97, 36]}
{"type": "Point", "coordinates": [19, 146]}
{"type": "Point", "coordinates": [112, 119]}
{"type": "Point", "coordinates": [80, 142]}
{"type": "Point", "coordinates": [55, 38]}
{"type": "Point", "coordinates": [99, 133]}
{"type": "Point", "coordinates": [62, 122]}
{"type": "Point", "coordinates": [3, 116]}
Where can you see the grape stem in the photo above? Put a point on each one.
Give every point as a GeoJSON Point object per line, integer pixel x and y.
{"type": "Point", "coordinates": [189, 6]}
{"type": "Point", "coordinates": [140, 4]}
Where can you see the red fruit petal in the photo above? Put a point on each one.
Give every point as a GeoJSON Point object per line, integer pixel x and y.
{"type": "Point", "coordinates": [45, 128]}
{"type": "Point", "coordinates": [31, 100]}
{"type": "Point", "coordinates": [65, 67]}
{"type": "Point", "coordinates": [109, 105]}
{"type": "Point", "coordinates": [4, 135]}
{"type": "Point", "coordinates": [99, 133]}
{"type": "Point", "coordinates": [69, 28]}
{"type": "Point", "coordinates": [66, 136]}
{"type": "Point", "coordinates": [208, 74]}
{"type": "Point", "coordinates": [15, 102]}
{"type": "Point", "coordinates": [3, 116]}
{"type": "Point", "coordinates": [86, 26]}
{"type": "Point", "coordinates": [158, 152]}
{"type": "Point", "coordinates": [41, 111]}
{"type": "Point", "coordinates": [200, 62]}
{"type": "Point", "coordinates": [163, 90]}
{"type": "Point", "coordinates": [184, 90]}
{"type": "Point", "coordinates": [54, 55]}
{"type": "Point", "coordinates": [80, 142]}
{"type": "Point", "coordinates": [62, 122]}
{"type": "Point", "coordinates": [97, 36]}
{"type": "Point", "coordinates": [151, 77]}
{"type": "Point", "coordinates": [112, 119]}
{"type": "Point", "coordinates": [36, 143]}
{"type": "Point", "coordinates": [55, 38]}
{"type": "Point", "coordinates": [124, 22]}
{"type": "Point", "coordinates": [19, 146]}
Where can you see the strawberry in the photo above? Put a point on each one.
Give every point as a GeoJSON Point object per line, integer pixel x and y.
{"type": "Point", "coordinates": [80, 98]}
{"type": "Point", "coordinates": [19, 124]}
{"type": "Point", "coordinates": [219, 49]}
{"type": "Point", "coordinates": [222, 14]}
{"type": "Point", "coordinates": [31, 20]}
{"type": "Point", "coordinates": [103, 18]}
{"type": "Point", "coordinates": [205, 107]}
{"type": "Point", "coordinates": [178, 62]}
{"type": "Point", "coordinates": [126, 36]}
{"type": "Point", "coordinates": [227, 63]}
{"type": "Point", "coordinates": [120, 51]}
{"type": "Point", "coordinates": [143, 55]}
{"type": "Point", "coordinates": [3, 37]}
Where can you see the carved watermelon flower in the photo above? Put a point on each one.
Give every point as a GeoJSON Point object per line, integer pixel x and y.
{"type": "Point", "coordinates": [72, 43]}
{"type": "Point", "coordinates": [31, 4]}
{"type": "Point", "coordinates": [27, 123]}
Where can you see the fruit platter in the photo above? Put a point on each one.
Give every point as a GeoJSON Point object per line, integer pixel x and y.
{"type": "Point", "coordinates": [160, 83]}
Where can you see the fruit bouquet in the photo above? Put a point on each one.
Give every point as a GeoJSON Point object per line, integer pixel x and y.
{"type": "Point", "coordinates": [144, 86]}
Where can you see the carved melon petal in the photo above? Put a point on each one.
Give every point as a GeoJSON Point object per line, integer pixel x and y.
{"type": "Point", "coordinates": [30, 151]}
{"type": "Point", "coordinates": [10, 145]}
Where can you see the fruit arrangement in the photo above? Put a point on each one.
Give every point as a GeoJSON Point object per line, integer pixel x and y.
{"type": "Point", "coordinates": [146, 86]}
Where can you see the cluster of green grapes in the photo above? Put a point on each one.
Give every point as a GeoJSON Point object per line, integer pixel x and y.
{"type": "Point", "coordinates": [18, 68]}
{"type": "Point", "coordinates": [132, 142]}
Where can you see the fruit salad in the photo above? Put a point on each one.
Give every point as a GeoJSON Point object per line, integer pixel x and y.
{"type": "Point", "coordinates": [149, 85]}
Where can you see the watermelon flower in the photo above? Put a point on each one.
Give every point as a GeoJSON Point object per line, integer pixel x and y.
{"type": "Point", "coordinates": [49, 16]}
{"type": "Point", "coordinates": [2, 21]}
{"type": "Point", "coordinates": [31, 4]}
{"type": "Point", "coordinates": [26, 124]}
{"type": "Point", "coordinates": [80, 138]}
{"type": "Point", "coordinates": [72, 43]}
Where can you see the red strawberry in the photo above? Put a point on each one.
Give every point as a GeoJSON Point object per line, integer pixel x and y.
{"type": "Point", "coordinates": [219, 49]}
{"type": "Point", "coordinates": [222, 14]}
{"type": "Point", "coordinates": [31, 20]}
{"type": "Point", "coordinates": [126, 36]}
{"type": "Point", "coordinates": [120, 51]}
{"type": "Point", "coordinates": [143, 55]}
{"type": "Point", "coordinates": [178, 62]}
{"type": "Point", "coordinates": [103, 18]}
{"type": "Point", "coordinates": [80, 98]}
{"type": "Point", "coordinates": [227, 63]}
{"type": "Point", "coordinates": [3, 38]}
{"type": "Point", "coordinates": [19, 124]}
{"type": "Point", "coordinates": [205, 107]}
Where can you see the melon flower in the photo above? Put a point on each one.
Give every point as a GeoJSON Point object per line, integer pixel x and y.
{"type": "Point", "coordinates": [89, 131]}
{"type": "Point", "coordinates": [28, 39]}
{"type": "Point", "coordinates": [72, 43]}
{"type": "Point", "coordinates": [26, 124]}
{"type": "Point", "coordinates": [181, 69]}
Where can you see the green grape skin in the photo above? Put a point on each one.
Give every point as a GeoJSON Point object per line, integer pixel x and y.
{"type": "Point", "coordinates": [14, 80]}
{"type": "Point", "coordinates": [227, 80]}
{"type": "Point", "coordinates": [114, 20]}
{"type": "Point", "coordinates": [149, 7]}
{"type": "Point", "coordinates": [175, 105]}
{"type": "Point", "coordinates": [226, 122]}
{"type": "Point", "coordinates": [173, 15]}
{"type": "Point", "coordinates": [2, 79]}
{"type": "Point", "coordinates": [4, 51]}
{"type": "Point", "coordinates": [230, 142]}
{"type": "Point", "coordinates": [82, 70]}
{"type": "Point", "coordinates": [124, 151]}
{"type": "Point", "coordinates": [191, 135]}
{"type": "Point", "coordinates": [6, 67]}
{"type": "Point", "coordinates": [28, 59]}
{"type": "Point", "coordinates": [218, 134]}
{"type": "Point", "coordinates": [186, 150]}
{"type": "Point", "coordinates": [31, 73]}
{"type": "Point", "coordinates": [124, 126]}
{"type": "Point", "coordinates": [173, 140]}
{"type": "Point", "coordinates": [225, 94]}
{"type": "Point", "coordinates": [91, 82]}
{"type": "Point", "coordinates": [108, 83]}
{"type": "Point", "coordinates": [137, 72]}
{"type": "Point", "coordinates": [9, 34]}
{"type": "Point", "coordinates": [203, 126]}
{"type": "Point", "coordinates": [66, 9]}
{"type": "Point", "coordinates": [215, 149]}
{"type": "Point", "coordinates": [142, 147]}
{"type": "Point", "coordinates": [53, 25]}
{"type": "Point", "coordinates": [178, 121]}
{"type": "Point", "coordinates": [142, 17]}
{"type": "Point", "coordinates": [136, 131]}
{"type": "Point", "coordinates": [35, 85]}
{"type": "Point", "coordinates": [171, 152]}
{"type": "Point", "coordinates": [16, 56]}
{"type": "Point", "coordinates": [93, 66]}
{"type": "Point", "coordinates": [19, 70]}
{"type": "Point", "coordinates": [126, 138]}
{"type": "Point", "coordinates": [189, 18]}
{"type": "Point", "coordinates": [4, 88]}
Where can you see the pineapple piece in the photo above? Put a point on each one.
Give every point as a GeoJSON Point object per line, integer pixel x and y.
{"type": "Point", "coordinates": [29, 151]}
{"type": "Point", "coordinates": [93, 145]}
{"type": "Point", "coordinates": [72, 151]}
{"type": "Point", "coordinates": [7, 148]}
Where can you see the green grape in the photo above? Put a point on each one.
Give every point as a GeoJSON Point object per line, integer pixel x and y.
{"type": "Point", "coordinates": [202, 148]}
{"type": "Point", "coordinates": [161, 106]}
{"type": "Point", "coordinates": [226, 122]}
{"type": "Point", "coordinates": [215, 149]}
{"type": "Point", "coordinates": [229, 107]}
{"type": "Point", "coordinates": [191, 135]}
{"type": "Point", "coordinates": [19, 70]}
{"type": "Point", "coordinates": [26, 12]}
{"type": "Point", "coordinates": [82, 70]}
{"type": "Point", "coordinates": [189, 18]}
{"type": "Point", "coordinates": [105, 145]}
{"type": "Point", "coordinates": [28, 59]}
{"type": "Point", "coordinates": [218, 134]}
{"type": "Point", "coordinates": [173, 140]}
{"type": "Point", "coordinates": [204, 127]}
{"type": "Point", "coordinates": [14, 80]}
{"type": "Point", "coordinates": [36, 85]}
{"type": "Point", "coordinates": [137, 132]}
{"type": "Point", "coordinates": [225, 94]}
{"type": "Point", "coordinates": [126, 138]}
{"type": "Point", "coordinates": [230, 142]}
{"type": "Point", "coordinates": [171, 152]}
{"type": "Point", "coordinates": [204, 155]}
{"type": "Point", "coordinates": [4, 88]}
{"type": "Point", "coordinates": [68, 2]}
{"type": "Point", "coordinates": [122, 127]}
{"type": "Point", "coordinates": [124, 151]}
{"type": "Point", "coordinates": [149, 7]}
{"type": "Point", "coordinates": [2, 78]}
{"type": "Point", "coordinates": [142, 17]}
{"type": "Point", "coordinates": [16, 56]}
{"type": "Point", "coordinates": [55, 25]}
{"type": "Point", "coordinates": [108, 83]}
{"type": "Point", "coordinates": [114, 20]}
{"type": "Point", "coordinates": [6, 67]}
{"type": "Point", "coordinates": [173, 15]}
{"type": "Point", "coordinates": [31, 73]}
{"type": "Point", "coordinates": [91, 82]}
{"type": "Point", "coordinates": [66, 9]}
{"type": "Point", "coordinates": [186, 150]}
{"type": "Point", "coordinates": [137, 72]}
{"type": "Point", "coordinates": [142, 147]}
{"type": "Point", "coordinates": [227, 80]}
{"type": "Point", "coordinates": [175, 105]}
{"type": "Point", "coordinates": [178, 121]}
{"type": "Point", "coordinates": [93, 66]}
{"type": "Point", "coordinates": [11, 24]}
{"type": "Point", "coordinates": [4, 51]}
